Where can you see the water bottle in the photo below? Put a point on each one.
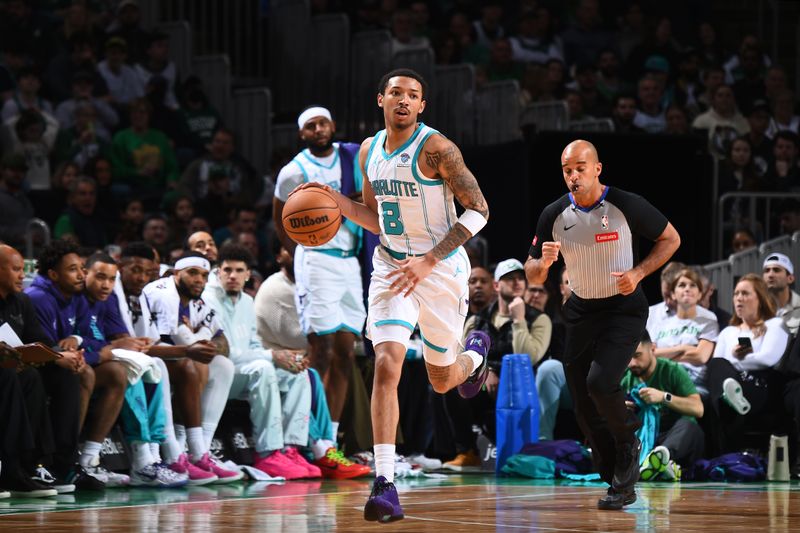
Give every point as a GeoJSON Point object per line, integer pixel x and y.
{"type": "Point", "coordinates": [778, 466]}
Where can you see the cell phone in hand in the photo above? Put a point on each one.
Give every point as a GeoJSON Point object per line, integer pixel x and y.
{"type": "Point", "coordinates": [746, 342]}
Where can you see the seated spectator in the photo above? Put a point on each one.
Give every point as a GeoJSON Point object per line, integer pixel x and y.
{"type": "Point", "coordinates": [127, 26]}
{"type": "Point", "coordinates": [650, 116]}
{"type": "Point", "coordinates": [741, 378]}
{"type": "Point", "coordinates": [789, 216]}
{"type": "Point", "coordinates": [243, 218]}
{"type": "Point", "coordinates": [743, 240]}
{"type": "Point", "coordinates": [734, 70]}
{"type": "Point", "coordinates": [783, 115]}
{"type": "Point", "coordinates": [783, 173]}
{"type": "Point", "coordinates": [586, 85]}
{"type": "Point", "coordinates": [107, 118]}
{"type": "Point", "coordinates": [218, 203]}
{"type": "Point", "coordinates": [157, 63]}
{"type": "Point", "coordinates": [33, 135]}
{"type": "Point", "coordinates": [709, 298]}
{"type": "Point", "coordinates": [537, 296]}
{"type": "Point", "coordinates": [16, 210]}
{"type": "Point", "coordinates": [501, 65]}
{"type": "Point", "coordinates": [775, 82]}
{"type": "Point", "coordinates": [249, 241]}
{"type": "Point", "coordinates": [198, 223]}
{"type": "Point", "coordinates": [80, 222]}
{"type": "Point", "coordinates": [659, 312]}
{"type": "Point", "coordinates": [203, 243]}
{"type": "Point", "coordinates": [575, 107]}
{"type": "Point", "coordinates": [163, 118]}
{"type": "Point", "coordinates": [713, 77]}
{"type": "Point", "coordinates": [535, 41]}
{"type": "Point", "coordinates": [584, 37]}
{"type": "Point", "coordinates": [403, 37]}
{"type": "Point", "coordinates": [660, 43]}
{"type": "Point", "coordinates": [482, 292]}
{"type": "Point", "coordinates": [62, 69]}
{"type": "Point", "coordinates": [513, 327]}
{"type": "Point", "coordinates": [489, 27]}
{"type": "Point", "coordinates": [29, 28]}
{"type": "Point", "coordinates": [274, 382]}
{"type": "Point", "coordinates": [131, 220]}
{"type": "Point", "coordinates": [723, 121]}
{"type": "Point", "coordinates": [469, 50]}
{"type": "Point", "coordinates": [85, 139]}
{"type": "Point", "coordinates": [180, 211]}
{"type": "Point", "coordinates": [77, 18]}
{"type": "Point", "coordinates": [632, 30]}
{"type": "Point", "coordinates": [198, 121]}
{"type": "Point", "coordinates": [56, 297]}
{"type": "Point", "coordinates": [222, 159]}
{"type": "Point", "coordinates": [26, 96]}
{"type": "Point", "coordinates": [124, 85]}
{"type": "Point", "coordinates": [609, 82]}
{"type": "Point", "coordinates": [738, 171]}
{"type": "Point", "coordinates": [688, 336]}
{"type": "Point", "coordinates": [155, 233]}
{"type": "Point", "coordinates": [623, 114]}
{"type": "Point", "coordinates": [758, 117]}
{"type": "Point", "coordinates": [711, 51]}
{"type": "Point", "coordinates": [668, 389]}
{"type": "Point", "coordinates": [687, 85]}
{"type": "Point", "coordinates": [677, 120]}
{"type": "Point", "coordinates": [750, 86]}
{"type": "Point", "coordinates": [778, 274]}
{"type": "Point", "coordinates": [142, 157]}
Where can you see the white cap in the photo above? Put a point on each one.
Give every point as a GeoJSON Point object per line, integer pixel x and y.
{"type": "Point", "coordinates": [781, 261]}
{"type": "Point", "coordinates": [312, 112]}
{"type": "Point", "coordinates": [507, 267]}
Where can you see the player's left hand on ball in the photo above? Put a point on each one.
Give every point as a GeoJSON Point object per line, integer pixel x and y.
{"type": "Point", "coordinates": [411, 271]}
{"type": "Point", "coordinates": [627, 281]}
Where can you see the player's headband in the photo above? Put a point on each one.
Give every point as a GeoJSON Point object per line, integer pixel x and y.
{"type": "Point", "coordinates": [189, 262]}
{"type": "Point", "coordinates": [312, 112]}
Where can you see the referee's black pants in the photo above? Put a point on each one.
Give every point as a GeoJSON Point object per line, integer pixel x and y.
{"type": "Point", "coordinates": [602, 335]}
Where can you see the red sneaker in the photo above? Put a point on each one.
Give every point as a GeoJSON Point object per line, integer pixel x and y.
{"type": "Point", "coordinates": [277, 464]}
{"type": "Point", "coordinates": [297, 458]}
{"type": "Point", "coordinates": [336, 466]}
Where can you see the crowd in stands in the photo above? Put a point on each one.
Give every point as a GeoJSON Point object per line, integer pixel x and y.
{"type": "Point", "coordinates": [156, 216]}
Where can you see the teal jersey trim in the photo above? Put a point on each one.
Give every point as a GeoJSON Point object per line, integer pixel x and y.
{"type": "Point", "coordinates": [303, 170]}
{"type": "Point", "coordinates": [433, 346]}
{"type": "Point", "coordinates": [425, 215]}
{"type": "Point", "coordinates": [313, 162]}
{"type": "Point", "coordinates": [369, 152]}
{"type": "Point", "coordinates": [329, 331]}
{"type": "Point", "coordinates": [415, 160]}
{"type": "Point", "coordinates": [334, 252]}
{"type": "Point", "coordinates": [420, 127]}
{"type": "Point", "coordinates": [351, 330]}
{"type": "Point", "coordinates": [400, 256]}
{"type": "Point", "coordinates": [395, 322]}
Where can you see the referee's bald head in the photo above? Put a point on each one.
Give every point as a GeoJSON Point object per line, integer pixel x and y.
{"type": "Point", "coordinates": [583, 150]}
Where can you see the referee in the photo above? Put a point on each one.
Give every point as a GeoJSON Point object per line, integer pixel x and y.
{"type": "Point", "coordinates": [595, 227]}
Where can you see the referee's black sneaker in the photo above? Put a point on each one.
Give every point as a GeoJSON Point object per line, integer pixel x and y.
{"type": "Point", "coordinates": [626, 466]}
{"type": "Point", "coordinates": [614, 500]}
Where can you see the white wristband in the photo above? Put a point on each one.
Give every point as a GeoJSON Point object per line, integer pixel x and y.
{"type": "Point", "coordinates": [472, 220]}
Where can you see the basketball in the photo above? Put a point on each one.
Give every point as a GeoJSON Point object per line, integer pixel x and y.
{"type": "Point", "coordinates": [311, 217]}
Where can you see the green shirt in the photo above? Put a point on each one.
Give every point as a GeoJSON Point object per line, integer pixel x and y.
{"type": "Point", "coordinates": [668, 376]}
{"type": "Point", "coordinates": [146, 160]}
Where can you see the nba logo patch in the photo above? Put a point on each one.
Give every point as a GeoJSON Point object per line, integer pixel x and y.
{"type": "Point", "coordinates": [604, 222]}
{"type": "Point", "coordinates": [404, 159]}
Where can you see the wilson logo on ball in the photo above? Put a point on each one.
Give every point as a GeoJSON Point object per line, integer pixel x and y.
{"type": "Point", "coordinates": [306, 221]}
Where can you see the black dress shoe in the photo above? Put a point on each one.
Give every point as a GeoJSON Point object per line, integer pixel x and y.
{"type": "Point", "coordinates": [614, 501]}
{"type": "Point", "coordinates": [626, 468]}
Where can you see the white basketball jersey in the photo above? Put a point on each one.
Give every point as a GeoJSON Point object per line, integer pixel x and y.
{"type": "Point", "coordinates": [329, 173]}
{"type": "Point", "coordinates": [415, 213]}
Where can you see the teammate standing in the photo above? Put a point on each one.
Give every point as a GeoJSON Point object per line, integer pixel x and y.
{"type": "Point", "coordinates": [420, 270]}
{"type": "Point", "coordinates": [596, 227]}
{"type": "Point", "coordinates": [329, 295]}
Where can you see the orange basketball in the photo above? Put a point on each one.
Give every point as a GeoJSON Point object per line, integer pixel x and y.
{"type": "Point", "coordinates": [311, 217]}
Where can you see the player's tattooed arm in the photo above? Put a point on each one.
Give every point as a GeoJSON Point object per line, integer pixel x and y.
{"type": "Point", "coordinates": [221, 342]}
{"type": "Point", "coordinates": [444, 157]}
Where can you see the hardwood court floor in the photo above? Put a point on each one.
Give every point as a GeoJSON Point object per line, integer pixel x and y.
{"type": "Point", "coordinates": [459, 503]}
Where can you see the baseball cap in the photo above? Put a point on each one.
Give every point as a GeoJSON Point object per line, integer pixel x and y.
{"type": "Point", "coordinates": [657, 63]}
{"type": "Point", "coordinates": [781, 261]}
{"type": "Point", "coordinates": [507, 267]}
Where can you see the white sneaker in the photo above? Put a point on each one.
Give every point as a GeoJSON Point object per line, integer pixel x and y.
{"type": "Point", "coordinates": [157, 475]}
{"type": "Point", "coordinates": [671, 473]}
{"type": "Point", "coordinates": [401, 464]}
{"type": "Point", "coordinates": [111, 479]}
{"type": "Point", "coordinates": [426, 463]}
{"type": "Point", "coordinates": [733, 396]}
{"type": "Point", "coordinates": [4, 494]}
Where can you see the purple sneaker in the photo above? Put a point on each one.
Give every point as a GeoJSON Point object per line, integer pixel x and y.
{"type": "Point", "coordinates": [383, 504]}
{"type": "Point", "coordinates": [478, 342]}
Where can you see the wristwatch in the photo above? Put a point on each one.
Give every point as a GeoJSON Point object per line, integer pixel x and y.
{"type": "Point", "coordinates": [667, 397]}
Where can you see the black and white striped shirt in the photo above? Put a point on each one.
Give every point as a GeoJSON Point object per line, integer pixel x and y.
{"type": "Point", "coordinates": [598, 240]}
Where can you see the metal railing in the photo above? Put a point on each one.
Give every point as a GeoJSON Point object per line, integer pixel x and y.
{"type": "Point", "coordinates": [252, 112]}
{"type": "Point", "coordinates": [592, 124]}
{"type": "Point", "coordinates": [749, 210]}
{"type": "Point", "coordinates": [544, 116]}
{"type": "Point", "coordinates": [724, 274]}
{"type": "Point", "coordinates": [498, 112]}
{"type": "Point", "coordinates": [453, 109]}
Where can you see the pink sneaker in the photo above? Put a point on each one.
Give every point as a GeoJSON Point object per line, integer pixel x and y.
{"type": "Point", "coordinates": [277, 464]}
{"type": "Point", "coordinates": [297, 458]}
{"type": "Point", "coordinates": [197, 476]}
{"type": "Point", "coordinates": [224, 475]}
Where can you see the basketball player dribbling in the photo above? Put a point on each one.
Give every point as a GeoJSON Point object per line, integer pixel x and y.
{"type": "Point", "coordinates": [420, 270]}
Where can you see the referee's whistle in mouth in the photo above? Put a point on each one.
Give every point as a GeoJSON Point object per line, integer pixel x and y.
{"type": "Point", "coordinates": [574, 187]}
